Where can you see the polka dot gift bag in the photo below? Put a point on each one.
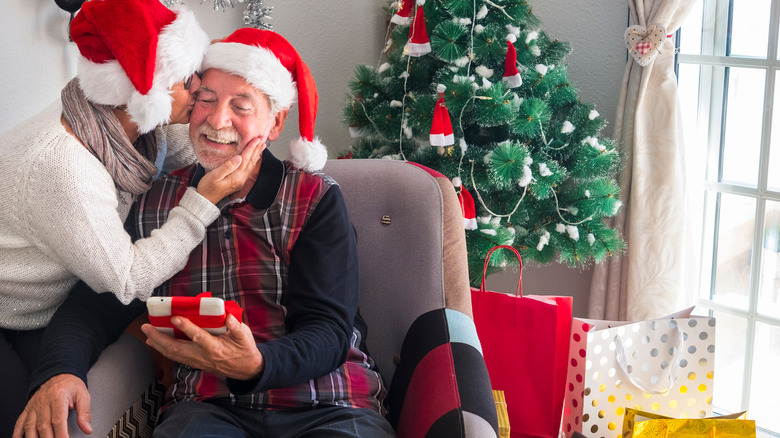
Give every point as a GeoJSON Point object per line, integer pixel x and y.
{"type": "Point", "coordinates": [664, 366]}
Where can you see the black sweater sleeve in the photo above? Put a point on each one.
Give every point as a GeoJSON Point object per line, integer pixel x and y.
{"type": "Point", "coordinates": [321, 302]}
{"type": "Point", "coordinates": [85, 324]}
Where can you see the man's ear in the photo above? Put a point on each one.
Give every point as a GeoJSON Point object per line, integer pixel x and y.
{"type": "Point", "coordinates": [279, 120]}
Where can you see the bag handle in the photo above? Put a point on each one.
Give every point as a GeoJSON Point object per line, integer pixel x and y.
{"type": "Point", "coordinates": [519, 291]}
{"type": "Point", "coordinates": [620, 355]}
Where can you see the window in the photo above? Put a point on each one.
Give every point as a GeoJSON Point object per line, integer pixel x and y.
{"type": "Point", "coordinates": [729, 83]}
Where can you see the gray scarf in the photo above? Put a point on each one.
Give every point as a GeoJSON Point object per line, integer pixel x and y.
{"type": "Point", "coordinates": [131, 166]}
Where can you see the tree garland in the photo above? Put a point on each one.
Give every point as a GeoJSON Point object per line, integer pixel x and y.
{"type": "Point", "coordinates": [255, 14]}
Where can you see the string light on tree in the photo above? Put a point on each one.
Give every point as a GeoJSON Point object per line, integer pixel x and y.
{"type": "Point", "coordinates": [524, 150]}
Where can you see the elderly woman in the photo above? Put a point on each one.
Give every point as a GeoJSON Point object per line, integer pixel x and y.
{"type": "Point", "coordinates": [72, 172]}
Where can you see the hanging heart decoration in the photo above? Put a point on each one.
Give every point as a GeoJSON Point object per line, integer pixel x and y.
{"type": "Point", "coordinates": [644, 44]}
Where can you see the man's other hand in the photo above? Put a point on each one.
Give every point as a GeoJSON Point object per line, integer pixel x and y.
{"type": "Point", "coordinates": [46, 414]}
{"type": "Point", "coordinates": [232, 354]}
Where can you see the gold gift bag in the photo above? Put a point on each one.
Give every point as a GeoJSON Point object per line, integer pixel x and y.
{"type": "Point", "coordinates": [641, 424]}
{"type": "Point", "coordinates": [503, 415]}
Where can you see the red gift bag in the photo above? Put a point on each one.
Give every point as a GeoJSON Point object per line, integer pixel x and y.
{"type": "Point", "coordinates": [525, 341]}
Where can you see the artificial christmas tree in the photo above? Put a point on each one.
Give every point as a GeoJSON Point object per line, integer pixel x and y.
{"type": "Point", "coordinates": [522, 143]}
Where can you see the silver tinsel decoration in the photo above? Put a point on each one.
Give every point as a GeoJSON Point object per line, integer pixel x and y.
{"type": "Point", "coordinates": [255, 14]}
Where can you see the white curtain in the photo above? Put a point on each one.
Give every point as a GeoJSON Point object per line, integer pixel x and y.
{"type": "Point", "coordinates": [654, 274]}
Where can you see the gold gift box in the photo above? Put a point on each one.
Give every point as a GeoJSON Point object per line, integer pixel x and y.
{"type": "Point", "coordinates": [503, 416]}
{"type": "Point", "coordinates": [641, 424]}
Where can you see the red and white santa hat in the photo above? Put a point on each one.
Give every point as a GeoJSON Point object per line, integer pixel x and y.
{"type": "Point", "coordinates": [403, 14]}
{"type": "Point", "coordinates": [133, 52]}
{"type": "Point", "coordinates": [271, 64]}
{"type": "Point", "coordinates": [511, 75]}
{"type": "Point", "coordinates": [418, 44]}
{"type": "Point", "coordinates": [467, 205]}
{"type": "Point", "coordinates": [441, 128]}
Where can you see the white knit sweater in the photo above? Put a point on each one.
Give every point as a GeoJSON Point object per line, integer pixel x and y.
{"type": "Point", "coordinates": [62, 218]}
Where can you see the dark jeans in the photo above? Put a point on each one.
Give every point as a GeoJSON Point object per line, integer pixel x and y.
{"type": "Point", "coordinates": [19, 352]}
{"type": "Point", "coordinates": [201, 420]}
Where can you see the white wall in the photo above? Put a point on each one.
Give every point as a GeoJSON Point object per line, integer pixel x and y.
{"type": "Point", "coordinates": [333, 37]}
{"type": "Point", "coordinates": [36, 60]}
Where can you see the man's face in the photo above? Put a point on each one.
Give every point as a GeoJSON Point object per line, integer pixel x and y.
{"type": "Point", "coordinates": [227, 115]}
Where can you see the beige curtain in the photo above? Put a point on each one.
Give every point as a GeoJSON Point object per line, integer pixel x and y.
{"type": "Point", "coordinates": [654, 273]}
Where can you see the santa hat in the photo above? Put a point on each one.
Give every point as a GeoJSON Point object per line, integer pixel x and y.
{"type": "Point", "coordinates": [133, 52]}
{"type": "Point", "coordinates": [441, 128]}
{"type": "Point", "coordinates": [418, 44]}
{"type": "Point", "coordinates": [467, 205]}
{"type": "Point", "coordinates": [511, 75]}
{"type": "Point", "coordinates": [401, 17]}
{"type": "Point", "coordinates": [271, 64]}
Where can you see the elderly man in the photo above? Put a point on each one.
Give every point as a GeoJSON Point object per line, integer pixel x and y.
{"type": "Point", "coordinates": [283, 248]}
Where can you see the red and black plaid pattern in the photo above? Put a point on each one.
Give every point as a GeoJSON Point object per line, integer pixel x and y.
{"type": "Point", "coordinates": [245, 257]}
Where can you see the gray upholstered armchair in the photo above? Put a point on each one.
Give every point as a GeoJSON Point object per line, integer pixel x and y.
{"type": "Point", "coordinates": [414, 296]}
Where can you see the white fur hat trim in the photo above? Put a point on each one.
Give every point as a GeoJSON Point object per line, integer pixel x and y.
{"type": "Point", "coordinates": [181, 46]}
{"type": "Point", "coordinates": [258, 66]}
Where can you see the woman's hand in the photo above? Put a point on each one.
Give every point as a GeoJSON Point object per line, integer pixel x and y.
{"type": "Point", "coordinates": [231, 176]}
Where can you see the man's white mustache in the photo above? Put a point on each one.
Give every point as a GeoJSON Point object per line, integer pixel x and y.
{"type": "Point", "coordinates": [227, 135]}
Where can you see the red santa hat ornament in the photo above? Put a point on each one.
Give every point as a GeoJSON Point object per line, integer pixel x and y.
{"type": "Point", "coordinates": [467, 205]}
{"type": "Point", "coordinates": [418, 44]}
{"type": "Point", "coordinates": [511, 77]}
{"type": "Point", "coordinates": [441, 128]}
{"type": "Point", "coordinates": [271, 64]}
{"type": "Point", "coordinates": [402, 16]}
{"type": "Point", "coordinates": [135, 60]}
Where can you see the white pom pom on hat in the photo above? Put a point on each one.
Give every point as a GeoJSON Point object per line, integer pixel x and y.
{"type": "Point", "coordinates": [135, 61]}
{"type": "Point", "coordinates": [271, 64]}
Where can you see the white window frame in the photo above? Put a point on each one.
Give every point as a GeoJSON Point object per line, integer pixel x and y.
{"type": "Point", "coordinates": [711, 108]}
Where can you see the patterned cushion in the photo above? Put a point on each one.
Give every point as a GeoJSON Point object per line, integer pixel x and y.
{"type": "Point", "coordinates": [441, 386]}
{"type": "Point", "coordinates": [138, 421]}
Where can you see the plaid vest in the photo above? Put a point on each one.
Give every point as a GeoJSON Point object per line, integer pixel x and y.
{"type": "Point", "coordinates": [245, 257]}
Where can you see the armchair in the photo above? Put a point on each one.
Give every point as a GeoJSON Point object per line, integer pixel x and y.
{"type": "Point", "coordinates": [414, 297]}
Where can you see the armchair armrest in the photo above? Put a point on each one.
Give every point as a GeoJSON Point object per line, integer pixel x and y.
{"type": "Point", "coordinates": [119, 378]}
